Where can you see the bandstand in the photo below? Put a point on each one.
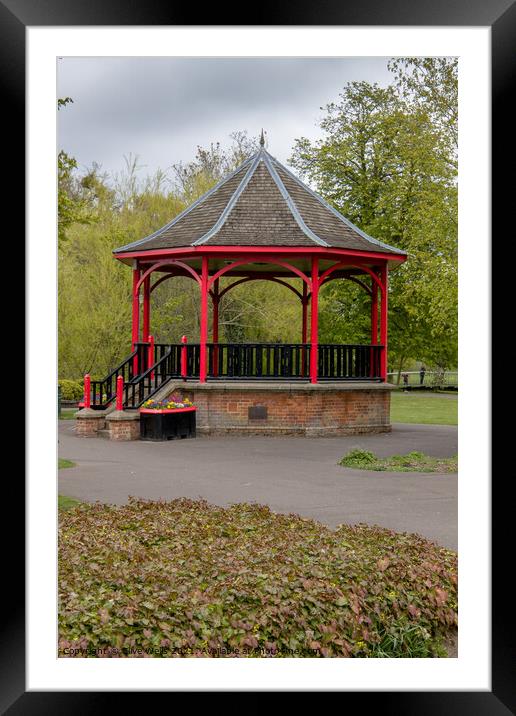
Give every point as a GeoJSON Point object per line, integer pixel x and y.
{"type": "Point", "coordinates": [259, 223]}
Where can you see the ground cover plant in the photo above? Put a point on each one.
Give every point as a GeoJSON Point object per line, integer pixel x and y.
{"type": "Point", "coordinates": [411, 462]}
{"type": "Point", "coordinates": [186, 578]}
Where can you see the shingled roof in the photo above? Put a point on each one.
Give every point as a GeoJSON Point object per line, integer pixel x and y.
{"type": "Point", "coordinates": [260, 204]}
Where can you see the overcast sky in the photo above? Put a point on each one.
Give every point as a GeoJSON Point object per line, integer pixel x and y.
{"type": "Point", "coordinates": [162, 108]}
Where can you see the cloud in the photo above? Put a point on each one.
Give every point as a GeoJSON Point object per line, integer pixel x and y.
{"type": "Point", "coordinates": [162, 108]}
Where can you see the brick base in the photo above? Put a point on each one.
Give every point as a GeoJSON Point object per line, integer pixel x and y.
{"type": "Point", "coordinates": [289, 409]}
{"type": "Point", "coordinates": [88, 423]}
{"type": "Point", "coordinates": [267, 409]}
{"type": "Point", "coordinates": [123, 426]}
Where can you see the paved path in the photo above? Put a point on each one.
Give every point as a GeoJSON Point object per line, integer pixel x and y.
{"type": "Point", "coordinates": [290, 474]}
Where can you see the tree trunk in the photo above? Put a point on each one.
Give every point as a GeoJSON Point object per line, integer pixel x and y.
{"type": "Point", "coordinates": [400, 368]}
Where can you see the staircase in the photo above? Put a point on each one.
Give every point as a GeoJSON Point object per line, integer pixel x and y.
{"type": "Point", "coordinates": [143, 376]}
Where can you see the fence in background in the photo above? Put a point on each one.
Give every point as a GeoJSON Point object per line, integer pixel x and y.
{"type": "Point", "coordinates": [431, 379]}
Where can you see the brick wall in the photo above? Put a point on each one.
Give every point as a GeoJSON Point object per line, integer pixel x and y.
{"type": "Point", "coordinates": [309, 412]}
{"type": "Point", "coordinates": [124, 429]}
{"type": "Point", "coordinates": [88, 427]}
{"type": "Point", "coordinates": [318, 411]}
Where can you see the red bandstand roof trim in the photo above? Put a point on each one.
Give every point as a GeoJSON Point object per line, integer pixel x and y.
{"type": "Point", "coordinates": [193, 252]}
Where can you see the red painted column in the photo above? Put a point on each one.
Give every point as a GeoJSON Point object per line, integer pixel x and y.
{"type": "Point", "coordinates": [304, 327]}
{"type": "Point", "coordinates": [184, 357]}
{"type": "Point", "coordinates": [314, 317]}
{"type": "Point", "coordinates": [136, 316]}
{"type": "Point", "coordinates": [384, 307]}
{"type": "Point", "coordinates": [374, 327]}
{"type": "Point", "coordinates": [374, 313]}
{"type": "Point", "coordinates": [204, 320]}
{"type": "Point", "coordinates": [87, 390]}
{"type": "Point", "coordinates": [304, 302]}
{"type": "Point", "coordinates": [136, 308]}
{"type": "Point", "coordinates": [119, 393]}
{"type": "Point", "coordinates": [215, 329]}
{"type": "Point", "coordinates": [146, 309]}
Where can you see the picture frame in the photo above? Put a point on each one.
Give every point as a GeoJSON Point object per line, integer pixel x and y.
{"type": "Point", "coordinates": [500, 16]}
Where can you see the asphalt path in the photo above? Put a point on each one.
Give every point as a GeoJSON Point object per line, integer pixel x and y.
{"type": "Point", "coordinates": [290, 474]}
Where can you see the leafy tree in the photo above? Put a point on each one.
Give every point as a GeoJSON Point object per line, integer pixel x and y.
{"type": "Point", "coordinates": [388, 165]}
{"type": "Point", "coordinates": [95, 289]}
{"type": "Point", "coordinates": [193, 179]}
{"type": "Point", "coordinates": [432, 83]}
{"type": "Point", "coordinates": [73, 205]}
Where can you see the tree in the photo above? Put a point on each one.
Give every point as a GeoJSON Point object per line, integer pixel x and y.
{"type": "Point", "coordinates": [73, 204]}
{"type": "Point", "coordinates": [195, 178]}
{"type": "Point", "coordinates": [95, 289]}
{"type": "Point", "coordinates": [432, 84]}
{"type": "Point", "coordinates": [387, 164]}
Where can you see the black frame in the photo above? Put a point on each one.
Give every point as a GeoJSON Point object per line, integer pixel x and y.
{"type": "Point", "coordinates": [500, 15]}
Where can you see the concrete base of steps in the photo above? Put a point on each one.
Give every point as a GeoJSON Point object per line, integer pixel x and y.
{"type": "Point", "coordinates": [110, 424]}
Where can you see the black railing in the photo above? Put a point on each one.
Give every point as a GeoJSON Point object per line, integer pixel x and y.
{"type": "Point", "coordinates": [150, 381]}
{"type": "Point", "coordinates": [192, 355]}
{"type": "Point", "coordinates": [233, 361]}
{"type": "Point", "coordinates": [258, 361]}
{"type": "Point", "coordinates": [103, 392]}
{"type": "Point", "coordinates": [349, 362]}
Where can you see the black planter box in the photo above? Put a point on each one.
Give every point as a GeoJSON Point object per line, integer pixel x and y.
{"type": "Point", "coordinates": [167, 424]}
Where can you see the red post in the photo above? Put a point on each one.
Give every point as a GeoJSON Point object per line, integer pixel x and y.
{"type": "Point", "coordinates": [183, 357]}
{"type": "Point", "coordinates": [136, 316]}
{"type": "Point", "coordinates": [374, 327]}
{"type": "Point", "coordinates": [204, 320]}
{"type": "Point", "coordinates": [215, 328]}
{"type": "Point", "coordinates": [384, 307]}
{"type": "Point", "coordinates": [87, 390]}
{"type": "Point", "coordinates": [374, 313]}
{"type": "Point", "coordinates": [304, 326]}
{"type": "Point", "coordinates": [314, 318]}
{"type": "Point", "coordinates": [120, 393]}
{"type": "Point", "coordinates": [146, 308]}
{"type": "Point", "coordinates": [150, 354]}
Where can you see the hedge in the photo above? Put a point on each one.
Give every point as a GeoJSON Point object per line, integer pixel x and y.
{"type": "Point", "coordinates": [185, 578]}
{"type": "Point", "coordinates": [71, 389]}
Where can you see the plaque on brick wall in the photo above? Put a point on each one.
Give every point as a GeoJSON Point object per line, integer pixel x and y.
{"type": "Point", "coordinates": [257, 412]}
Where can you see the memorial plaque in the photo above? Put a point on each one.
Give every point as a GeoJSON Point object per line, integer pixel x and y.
{"type": "Point", "coordinates": [257, 412]}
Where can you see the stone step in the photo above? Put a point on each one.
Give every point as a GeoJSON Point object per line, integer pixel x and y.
{"type": "Point", "coordinates": [103, 434]}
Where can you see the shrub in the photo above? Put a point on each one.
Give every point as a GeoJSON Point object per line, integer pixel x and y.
{"type": "Point", "coordinates": [411, 462]}
{"type": "Point", "coordinates": [71, 389]}
{"type": "Point", "coordinates": [190, 579]}
{"type": "Point", "coordinates": [358, 458]}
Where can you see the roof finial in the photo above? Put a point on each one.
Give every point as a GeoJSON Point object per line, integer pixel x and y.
{"type": "Point", "coordinates": [262, 140]}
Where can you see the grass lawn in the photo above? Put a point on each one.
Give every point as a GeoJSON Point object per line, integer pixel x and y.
{"type": "Point", "coordinates": [419, 408]}
{"type": "Point", "coordinates": [411, 462]}
{"type": "Point", "coordinates": [65, 503]}
{"type": "Point", "coordinates": [62, 463]}
{"type": "Point", "coordinates": [68, 413]}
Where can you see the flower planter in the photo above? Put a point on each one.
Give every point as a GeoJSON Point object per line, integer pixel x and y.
{"type": "Point", "coordinates": [167, 424]}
